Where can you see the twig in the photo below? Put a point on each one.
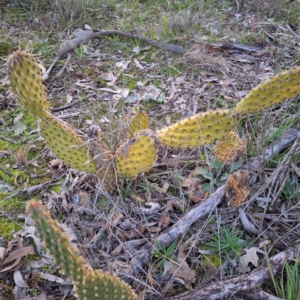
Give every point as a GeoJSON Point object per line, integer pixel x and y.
{"type": "Point", "coordinates": [95, 33]}
{"type": "Point", "coordinates": [56, 109]}
{"type": "Point", "coordinates": [6, 171]}
{"type": "Point", "coordinates": [216, 197]}
{"type": "Point", "coordinates": [141, 257]}
{"type": "Point", "coordinates": [232, 287]}
{"type": "Point", "coordinates": [293, 33]}
{"type": "Point", "coordinates": [197, 212]}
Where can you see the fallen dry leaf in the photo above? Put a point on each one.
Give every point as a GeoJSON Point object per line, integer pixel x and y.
{"type": "Point", "coordinates": [16, 257]}
{"type": "Point", "coordinates": [138, 64]}
{"type": "Point", "coordinates": [183, 273]}
{"type": "Point", "coordinates": [190, 182]}
{"type": "Point", "coordinates": [149, 209]}
{"type": "Point", "coordinates": [250, 257]}
{"type": "Point", "coordinates": [117, 250]}
{"type": "Point", "coordinates": [146, 93]}
{"type": "Point", "coordinates": [2, 254]}
{"type": "Point", "coordinates": [194, 189]}
{"type": "Point", "coordinates": [53, 278]}
{"type": "Point", "coordinates": [164, 219]}
{"type": "Point", "coordinates": [165, 186]}
{"type": "Point", "coordinates": [18, 279]}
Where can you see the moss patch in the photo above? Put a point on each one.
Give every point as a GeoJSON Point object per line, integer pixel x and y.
{"type": "Point", "coordinates": [8, 227]}
{"type": "Point", "coordinates": [11, 205]}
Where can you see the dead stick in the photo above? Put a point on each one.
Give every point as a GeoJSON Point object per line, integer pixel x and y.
{"type": "Point", "coordinates": [200, 210]}
{"type": "Point", "coordinates": [92, 34]}
{"type": "Point", "coordinates": [231, 287]}
{"type": "Point", "coordinates": [143, 256]}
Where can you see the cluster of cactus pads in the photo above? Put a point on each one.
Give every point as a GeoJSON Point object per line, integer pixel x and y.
{"type": "Point", "coordinates": [138, 154]}
{"type": "Point", "coordinates": [88, 284]}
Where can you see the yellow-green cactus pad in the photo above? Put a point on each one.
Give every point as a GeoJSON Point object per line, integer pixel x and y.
{"type": "Point", "coordinates": [137, 155]}
{"type": "Point", "coordinates": [275, 90]}
{"type": "Point", "coordinates": [64, 254]}
{"type": "Point", "coordinates": [139, 122]}
{"type": "Point", "coordinates": [26, 83]}
{"type": "Point", "coordinates": [67, 145]}
{"type": "Point", "coordinates": [229, 147]}
{"type": "Point", "coordinates": [99, 286]}
{"type": "Point", "coordinates": [198, 130]}
{"type": "Point", "coordinates": [88, 284]}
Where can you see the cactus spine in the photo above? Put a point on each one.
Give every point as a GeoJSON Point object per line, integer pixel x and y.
{"type": "Point", "coordinates": [26, 83]}
{"type": "Point", "coordinates": [139, 122]}
{"type": "Point", "coordinates": [275, 90]}
{"type": "Point", "coordinates": [87, 283]}
{"type": "Point", "coordinates": [198, 130]}
{"type": "Point", "coordinates": [66, 144]}
{"type": "Point", "coordinates": [136, 156]}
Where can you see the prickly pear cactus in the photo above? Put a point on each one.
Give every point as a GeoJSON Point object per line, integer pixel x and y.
{"type": "Point", "coordinates": [139, 122]}
{"type": "Point", "coordinates": [92, 157]}
{"type": "Point", "coordinates": [67, 145]}
{"type": "Point", "coordinates": [87, 283]}
{"type": "Point", "coordinates": [136, 156]}
{"type": "Point", "coordinates": [228, 148]}
{"type": "Point", "coordinates": [98, 286]}
{"type": "Point", "coordinates": [64, 254]}
{"type": "Point", "coordinates": [198, 130]}
{"type": "Point", "coordinates": [275, 90]}
{"type": "Point", "coordinates": [26, 83]}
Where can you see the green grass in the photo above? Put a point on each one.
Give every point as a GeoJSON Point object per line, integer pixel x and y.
{"type": "Point", "coordinates": [287, 284]}
{"type": "Point", "coordinates": [164, 254]}
{"type": "Point", "coordinates": [227, 243]}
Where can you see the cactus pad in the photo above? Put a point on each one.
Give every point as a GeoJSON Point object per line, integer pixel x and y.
{"type": "Point", "coordinates": [67, 145]}
{"type": "Point", "coordinates": [26, 83]}
{"type": "Point", "coordinates": [64, 254]}
{"type": "Point", "coordinates": [139, 122]}
{"type": "Point", "coordinates": [198, 130]}
{"type": "Point", "coordinates": [275, 90]}
{"type": "Point", "coordinates": [88, 284]}
{"type": "Point", "coordinates": [98, 286]}
{"type": "Point", "coordinates": [228, 148]}
{"type": "Point", "coordinates": [137, 155]}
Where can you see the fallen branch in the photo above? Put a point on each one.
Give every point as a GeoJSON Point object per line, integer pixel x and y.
{"type": "Point", "coordinates": [200, 210]}
{"type": "Point", "coordinates": [197, 212]}
{"type": "Point", "coordinates": [231, 287]}
{"type": "Point", "coordinates": [255, 163]}
{"type": "Point", "coordinates": [141, 257]}
{"type": "Point", "coordinates": [256, 294]}
{"type": "Point", "coordinates": [83, 36]}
